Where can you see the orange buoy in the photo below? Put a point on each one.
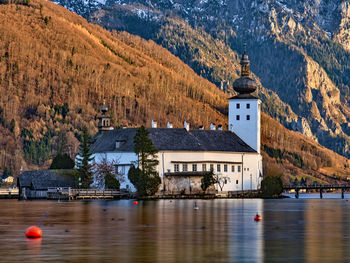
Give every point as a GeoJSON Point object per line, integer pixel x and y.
{"type": "Point", "coordinates": [33, 232]}
{"type": "Point", "coordinates": [135, 202]}
{"type": "Point", "coordinates": [257, 217]}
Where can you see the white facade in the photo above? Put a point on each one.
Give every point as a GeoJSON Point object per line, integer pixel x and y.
{"type": "Point", "coordinates": [242, 171]}
{"type": "Point", "coordinates": [244, 120]}
{"type": "Point", "coordinates": [123, 161]}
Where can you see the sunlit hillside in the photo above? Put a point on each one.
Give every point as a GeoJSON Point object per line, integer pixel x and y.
{"type": "Point", "coordinates": [56, 70]}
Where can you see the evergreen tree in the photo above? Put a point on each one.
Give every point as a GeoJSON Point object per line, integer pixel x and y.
{"type": "Point", "coordinates": [207, 180]}
{"type": "Point", "coordinates": [62, 161]}
{"type": "Point", "coordinates": [84, 159]}
{"type": "Point", "coordinates": [12, 125]}
{"type": "Point", "coordinates": [272, 186]}
{"type": "Point", "coordinates": [111, 182]}
{"type": "Point", "coordinates": [6, 173]}
{"type": "Point", "coordinates": [145, 178]}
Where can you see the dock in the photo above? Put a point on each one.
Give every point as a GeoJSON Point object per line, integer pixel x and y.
{"type": "Point", "coordinates": [67, 193]}
{"type": "Point", "coordinates": [321, 188]}
{"type": "Point", "coordinates": [11, 193]}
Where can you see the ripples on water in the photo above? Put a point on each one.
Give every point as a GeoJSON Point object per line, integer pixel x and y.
{"type": "Point", "coordinates": [304, 230]}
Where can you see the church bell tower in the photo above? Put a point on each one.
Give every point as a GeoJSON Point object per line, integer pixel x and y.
{"type": "Point", "coordinates": [104, 121]}
{"type": "Point", "coordinates": [244, 108]}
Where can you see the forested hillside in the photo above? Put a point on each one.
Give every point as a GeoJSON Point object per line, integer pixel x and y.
{"type": "Point", "coordinates": [296, 47]}
{"type": "Point", "coordinates": [56, 69]}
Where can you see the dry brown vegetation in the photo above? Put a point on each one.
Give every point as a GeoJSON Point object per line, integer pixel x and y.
{"type": "Point", "coordinates": [56, 69]}
{"type": "Point", "coordinates": [50, 56]}
{"type": "Point", "coordinates": [297, 156]}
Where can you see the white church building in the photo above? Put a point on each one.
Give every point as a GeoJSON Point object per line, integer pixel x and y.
{"type": "Point", "coordinates": [185, 155]}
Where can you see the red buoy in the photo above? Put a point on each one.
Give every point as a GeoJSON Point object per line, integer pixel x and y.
{"type": "Point", "coordinates": [257, 217]}
{"type": "Point", "coordinates": [33, 232]}
{"type": "Point", "coordinates": [135, 202]}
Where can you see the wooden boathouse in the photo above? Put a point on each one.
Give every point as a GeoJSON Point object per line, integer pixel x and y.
{"type": "Point", "coordinates": [35, 184]}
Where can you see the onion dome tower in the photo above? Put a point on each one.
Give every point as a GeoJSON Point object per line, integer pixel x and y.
{"type": "Point", "coordinates": [244, 108]}
{"type": "Point", "coordinates": [245, 84]}
{"type": "Point", "coordinates": [104, 121]}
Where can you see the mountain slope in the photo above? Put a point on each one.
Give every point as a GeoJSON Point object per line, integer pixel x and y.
{"type": "Point", "coordinates": [296, 47]}
{"type": "Point", "coordinates": [56, 69]}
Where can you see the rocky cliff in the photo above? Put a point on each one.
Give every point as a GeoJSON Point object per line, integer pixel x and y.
{"type": "Point", "coordinates": [299, 51]}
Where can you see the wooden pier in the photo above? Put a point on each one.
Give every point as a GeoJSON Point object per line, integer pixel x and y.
{"type": "Point", "coordinates": [64, 193]}
{"type": "Point", "coordinates": [9, 193]}
{"type": "Point", "coordinates": [321, 188]}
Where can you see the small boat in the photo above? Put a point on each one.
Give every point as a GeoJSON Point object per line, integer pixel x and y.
{"type": "Point", "coordinates": [195, 207]}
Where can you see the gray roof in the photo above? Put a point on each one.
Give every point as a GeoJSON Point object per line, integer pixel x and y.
{"type": "Point", "coordinates": [43, 179]}
{"type": "Point", "coordinates": [171, 140]}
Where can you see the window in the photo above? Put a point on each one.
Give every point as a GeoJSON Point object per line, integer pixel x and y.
{"type": "Point", "coordinates": [236, 181]}
{"type": "Point", "coordinates": [233, 168]}
{"type": "Point", "coordinates": [238, 168]}
{"type": "Point", "coordinates": [184, 167]}
{"type": "Point", "coordinates": [237, 117]}
{"type": "Point", "coordinates": [218, 168]}
{"type": "Point", "coordinates": [176, 167]}
{"type": "Point", "coordinates": [225, 167]}
{"type": "Point", "coordinates": [248, 106]}
{"type": "Point", "coordinates": [212, 167]}
{"type": "Point", "coordinates": [247, 169]}
{"type": "Point", "coordinates": [119, 143]}
{"type": "Point", "coordinates": [225, 181]}
{"type": "Point", "coordinates": [204, 167]}
{"type": "Point", "coordinates": [194, 167]}
{"type": "Point", "coordinates": [248, 117]}
{"type": "Point", "coordinates": [238, 106]}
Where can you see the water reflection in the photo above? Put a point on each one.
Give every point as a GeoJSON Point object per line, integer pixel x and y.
{"type": "Point", "coordinates": [153, 231]}
{"type": "Point", "coordinates": [308, 230]}
{"type": "Point", "coordinates": [33, 249]}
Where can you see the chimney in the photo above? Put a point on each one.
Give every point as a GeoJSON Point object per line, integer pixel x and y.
{"type": "Point", "coordinates": [154, 124]}
{"type": "Point", "coordinates": [212, 126]}
{"type": "Point", "coordinates": [186, 126]}
{"type": "Point", "coordinates": [220, 127]}
{"type": "Point", "coordinates": [231, 128]}
{"type": "Point", "coordinates": [169, 125]}
{"type": "Point", "coordinates": [201, 127]}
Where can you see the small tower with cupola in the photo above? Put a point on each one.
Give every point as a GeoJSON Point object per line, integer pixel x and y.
{"type": "Point", "coordinates": [244, 108]}
{"type": "Point", "coordinates": [104, 121]}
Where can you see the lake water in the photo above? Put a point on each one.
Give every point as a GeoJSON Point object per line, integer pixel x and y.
{"type": "Point", "coordinates": [292, 230]}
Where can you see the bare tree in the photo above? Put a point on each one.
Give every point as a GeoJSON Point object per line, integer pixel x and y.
{"type": "Point", "coordinates": [106, 169]}
{"type": "Point", "coordinates": [221, 180]}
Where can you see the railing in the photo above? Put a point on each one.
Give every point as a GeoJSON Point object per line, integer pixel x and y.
{"type": "Point", "coordinates": [297, 188]}
{"type": "Point", "coordinates": [9, 193]}
{"type": "Point", "coordinates": [95, 192]}
{"type": "Point", "coordinates": [316, 186]}
{"type": "Point", "coordinates": [69, 193]}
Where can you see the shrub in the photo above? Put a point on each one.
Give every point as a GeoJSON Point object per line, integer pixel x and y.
{"type": "Point", "coordinates": [272, 186]}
